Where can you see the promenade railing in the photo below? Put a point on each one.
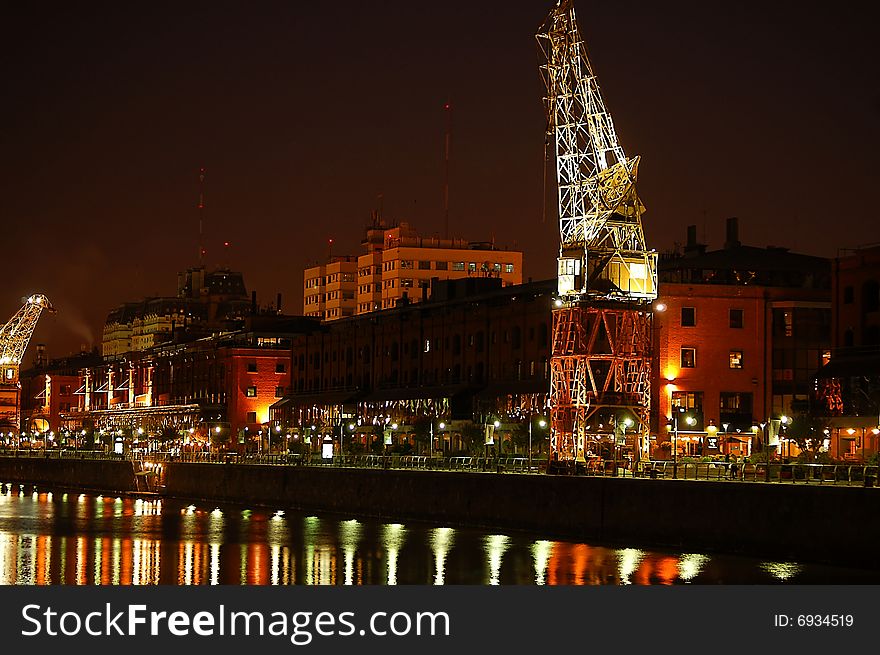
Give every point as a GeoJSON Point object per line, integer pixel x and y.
{"type": "Point", "coordinates": [774, 472]}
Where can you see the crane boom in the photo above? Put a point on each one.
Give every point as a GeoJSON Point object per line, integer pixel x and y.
{"type": "Point", "coordinates": [14, 338]}
{"type": "Point", "coordinates": [602, 246]}
{"type": "Point", "coordinates": [16, 334]}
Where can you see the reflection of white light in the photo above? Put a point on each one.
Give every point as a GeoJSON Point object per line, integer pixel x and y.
{"type": "Point", "coordinates": [690, 564]}
{"type": "Point", "coordinates": [781, 570]}
{"type": "Point", "coordinates": [628, 561]}
{"type": "Point", "coordinates": [393, 535]}
{"type": "Point", "coordinates": [495, 545]}
{"type": "Point", "coordinates": [217, 512]}
{"type": "Point", "coordinates": [441, 541]}
{"type": "Point", "coordinates": [279, 515]}
{"type": "Point", "coordinates": [349, 536]}
{"type": "Point", "coordinates": [215, 564]}
{"type": "Point", "coordinates": [541, 551]}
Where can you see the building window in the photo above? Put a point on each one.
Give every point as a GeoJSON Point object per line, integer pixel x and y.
{"type": "Point", "coordinates": [508, 268]}
{"type": "Point", "coordinates": [251, 417]}
{"type": "Point", "coordinates": [688, 317]}
{"type": "Point", "coordinates": [279, 392]}
{"type": "Point", "coordinates": [788, 322]}
{"type": "Point", "coordinates": [427, 345]}
{"type": "Point", "coordinates": [406, 263]}
{"type": "Point", "coordinates": [251, 392]}
{"type": "Point", "coordinates": [688, 357]}
{"type": "Point", "coordinates": [441, 266]}
{"type": "Point", "coordinates": [736, 410]}
{"type": "Point", "coordinates": [406, 283]}
{"type": "Point", "coordinates": [424, 266]}
{"type": "Point", "coordinates": [736, 318]}
{"type": "Point", "coordinates": [280, 367]}
{"type": "Point", "coordinates": [736, 359]}
{"type": "Point", "coordinates": [457, 266]}
{"type": "Point", "coordinates": [252, 367]}
{"type": "Point", "coordinates": [472, 267]}
{"type": "Point", "coordinates": [691, 401]}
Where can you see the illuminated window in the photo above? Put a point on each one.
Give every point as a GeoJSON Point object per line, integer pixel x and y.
{"type": "Point", "coordinates": [457, 266]}
{"type": "Point", "coordinates": [508, 268]}
{"type": "Point", "coordinates": [251, 392]}
{"type": "Point", "coordinates": [688, 317]}
{"type": "Point", "coordinates": [427, 345]}
{"type": "Point", "coordinates": [688, 357]}
{"type": "Point", "coordinates": [736, 359]}
{"type": "Point", "coordinates": [736, 318]}
{"type": "Point", "coordinates": [472, 267]}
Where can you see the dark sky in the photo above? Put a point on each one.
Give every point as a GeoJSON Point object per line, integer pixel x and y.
{"type": "Point", "coordinates": [303, 113]}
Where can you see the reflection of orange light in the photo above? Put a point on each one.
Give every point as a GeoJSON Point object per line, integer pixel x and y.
{"type": "Point", "coordinates": [642, 575]}
{"type": "Point", "coordinates": [41, 574]}
{"type": "Point", "coordinates": [667, 570]}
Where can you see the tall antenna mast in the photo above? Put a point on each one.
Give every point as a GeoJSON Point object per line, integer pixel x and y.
{"type": "Point", "coordinates": [448, 109]}
{"type": "Point", "coordinates": [201, 216]}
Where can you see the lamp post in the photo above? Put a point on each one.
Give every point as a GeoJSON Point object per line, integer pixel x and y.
{"type": "Point", "coordinates": [497, 424]}
{"type": "Point", "coordinates": [542, 424]}
{"type": "Point", "coordinates": [442, 426]}
{"type": "Point", "coordinates": [690, 421]}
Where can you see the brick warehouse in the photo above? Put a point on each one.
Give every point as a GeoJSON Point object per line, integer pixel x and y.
{"type": "Point", "coordinates": [742, 334]}
{"type": "Point", "coordinates": [473, 353]}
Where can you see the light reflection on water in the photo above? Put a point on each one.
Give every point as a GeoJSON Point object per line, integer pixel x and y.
{"type": "Point", "coordinates": [81, 539]}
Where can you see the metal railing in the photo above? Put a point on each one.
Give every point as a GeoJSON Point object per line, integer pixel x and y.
{"type": "Point", "coordinates": [774, 472]}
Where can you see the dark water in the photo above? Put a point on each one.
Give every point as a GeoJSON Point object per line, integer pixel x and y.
{"type": "Point", "coordinates": [82, 539]}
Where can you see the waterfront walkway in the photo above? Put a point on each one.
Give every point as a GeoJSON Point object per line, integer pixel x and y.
{"type": "Point", "coordinates": [776, 473]}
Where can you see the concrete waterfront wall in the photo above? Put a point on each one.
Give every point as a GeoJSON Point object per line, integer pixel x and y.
{"type": "Point", "coordinates": [88, 474]}
{"type": "Point", "coordinates": [820, 523]}
{"type": "Point", "coordinates": [827, 523]}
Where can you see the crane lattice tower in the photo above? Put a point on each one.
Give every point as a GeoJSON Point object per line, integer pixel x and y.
{"type": "Point", "coordinates": [607, 278]}
{"type": "Point", "coordinates": [14, 339]}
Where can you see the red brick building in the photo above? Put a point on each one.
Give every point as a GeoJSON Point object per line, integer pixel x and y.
{"type": "Point", "coordinates": [742, 333]}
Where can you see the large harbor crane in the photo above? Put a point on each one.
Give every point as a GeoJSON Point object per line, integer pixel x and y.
{"type": "Point", "coordinates": [607, 278]}
{"type": "Point", "coordinates": [14, 339]}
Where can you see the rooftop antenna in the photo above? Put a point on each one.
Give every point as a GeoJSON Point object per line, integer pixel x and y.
{"type": "Point", "coordinates": [448, 109]}
{"type": "Point", "coordinates": [201, 216]}
{"type": "Point", "coordinates": [329, 250]}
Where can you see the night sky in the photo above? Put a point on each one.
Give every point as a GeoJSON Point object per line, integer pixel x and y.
{"type": "Point", "coordinates": [304, 113]}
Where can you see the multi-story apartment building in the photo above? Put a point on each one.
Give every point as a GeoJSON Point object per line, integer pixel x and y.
{"type": "Point", "coordinates": [741, 334]}
{"type": "Point", "coordinates": [329, 290]}
{"type": "Point", "coordinates": [397, 266]}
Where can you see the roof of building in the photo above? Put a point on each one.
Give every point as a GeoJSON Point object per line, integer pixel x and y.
{"type": "Point", "coordinates": [747, 265]}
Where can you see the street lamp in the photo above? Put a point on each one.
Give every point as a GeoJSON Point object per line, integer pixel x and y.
{"type": "Point", "coordinates": [442, 426]}
{"type": "Point", "coordinates": [542, 424]}
{"type": "Point", "coordinates": [690, 421]}
{"type": "Point", "coordinates": [497, 424]}
{"type": "Point", "coordinates": [626, 423]}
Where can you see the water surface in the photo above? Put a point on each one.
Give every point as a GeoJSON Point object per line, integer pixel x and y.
{"type": "Point", "coordinates": [70, 538]}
